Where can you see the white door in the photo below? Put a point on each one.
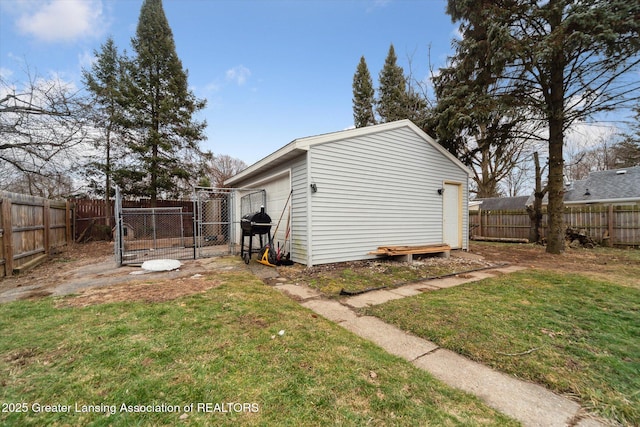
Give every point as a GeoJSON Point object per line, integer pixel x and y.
{"type": "Point", "coordinates": [451, 216]}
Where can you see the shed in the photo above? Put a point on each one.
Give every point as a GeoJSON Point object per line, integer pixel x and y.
{"type": "Point", "coordinates": [355, 190]}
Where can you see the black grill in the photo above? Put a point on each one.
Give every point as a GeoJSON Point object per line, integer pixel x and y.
{"type": "Point", "coordinates": [257, 223]}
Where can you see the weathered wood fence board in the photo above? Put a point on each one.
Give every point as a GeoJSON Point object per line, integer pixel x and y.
{"type": "Point", "coordinates": [92, 221]}
{"type": "Point", "coordinates": [30, 228]}
{"type": "Point", "coordinates": [511, 224]}
{"type": "Point", "coordinates": [608, 225]}
{"type": "Point", "coordinates": [626, 225]}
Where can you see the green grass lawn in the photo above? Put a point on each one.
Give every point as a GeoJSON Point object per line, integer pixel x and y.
{"type": "Point", "coordinates": [220, 351]}
{"type": "Point", "coordinates": [576, 335]}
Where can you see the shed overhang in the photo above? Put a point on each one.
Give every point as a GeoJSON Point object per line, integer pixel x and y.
{"type": "Point", "coordinates": [302, 145]}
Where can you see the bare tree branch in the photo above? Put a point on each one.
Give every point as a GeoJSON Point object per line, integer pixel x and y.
{"type": "Point", "coordinates": [41, 126]}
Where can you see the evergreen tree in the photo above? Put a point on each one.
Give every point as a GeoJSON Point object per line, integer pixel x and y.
{"type": "Point", "coordinates": [471, 121]}
{"type": "Point", "coordinates": [417, 109]}
{"type": "Point", "coordinates": [160, 109]}
{"type": "Point", "coordinates": [103, 82]}
{"type": "Point", "coordinates": [627, 152]}
{"type": "Point", "coordinates": [392, 90]}
{"type": "Point", "coordinates": [363, 96]}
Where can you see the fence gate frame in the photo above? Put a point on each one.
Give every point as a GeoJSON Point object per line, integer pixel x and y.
{"type": "Point", "coordinates": [148, 233]}
{"type": "Point", "coordinates": [215, 223]}
{"type": "Point", "coordinates": [117, 209]}
{"type": "Point", "coordinates": [226, 221]}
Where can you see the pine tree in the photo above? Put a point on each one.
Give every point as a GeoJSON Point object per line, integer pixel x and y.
{"type": "Point", "coordinates": [103, 82]}
{"type": "Point", "coordinates": [363, 96]}
{"type": "Point", "coordinates": [627, 152]}
{"type": "Point", "coordinates": [391, 104]}
{"type": "Point", "coordinates": [473, 123]}
{"type": "Point", "coordinates": [160, 108]}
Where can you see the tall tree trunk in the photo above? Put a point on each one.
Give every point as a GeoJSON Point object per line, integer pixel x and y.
{"type": "Point", "coordinates": [154, 175]}
{"type": "Point", "coordinates": [555, 208]}
{"type": "Point", "coordinates": [535, 211]}
{"type": "Point", "coordinates": [107, 190]}
{"type": "Point", "coordinates": [155, 141]}
{"type": "Point", "coordinates": [487, 184]}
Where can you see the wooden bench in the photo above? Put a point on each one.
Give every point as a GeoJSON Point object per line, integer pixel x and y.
{"type": "Point", "coordinates": [409, 251]}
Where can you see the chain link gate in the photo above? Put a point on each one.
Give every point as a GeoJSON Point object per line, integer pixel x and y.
{"type": "Point", "coordinates": [207, 229]}
{"type": "Point", "coordinates": [213, 221]}
{"type": "Point", "coordinates": [143, 234]}
{"type": "Point", "coordinates": [217, 222]}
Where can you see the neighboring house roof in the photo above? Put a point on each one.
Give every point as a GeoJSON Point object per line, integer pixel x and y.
{"type": "Point", "coordinates": [612, 186]}
{"type": "Point", "coordinates": [502, 203]}
{"type": "Point", "coordinates": [301, 145]}
{"type": "Point", "coordinates": [606, 186]}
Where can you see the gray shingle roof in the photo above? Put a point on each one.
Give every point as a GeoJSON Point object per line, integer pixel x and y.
{"type": "Point", "coordinates": [602, 186]}
{"type": "Point", "coordinates": [606, 185]}
{"type": "Point", "coordinates": [503, 203]}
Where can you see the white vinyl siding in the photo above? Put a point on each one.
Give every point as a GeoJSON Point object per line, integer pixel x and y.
{"type": "Point", "coordinates": [375, 190]}
{"type": "Point", "coordinates": [277, 186]}
{"type": "Point", "coordinates": [277, 194]}
{"type": "Point", "coordinates": [299, 211]}
{"type": "Point", "coordinates": [376, 186]}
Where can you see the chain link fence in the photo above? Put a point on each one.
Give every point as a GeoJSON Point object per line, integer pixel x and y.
{"type": "Point", "coordinates": [214, 228]}
{"type": "Point", "coordinates": [204, 230]}
{"type": "Point", "coordinates": [156, 233]}
{"type": "Point", "coordinates": [252, 202]}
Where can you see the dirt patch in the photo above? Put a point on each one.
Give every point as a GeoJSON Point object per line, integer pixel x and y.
{"type": "Point", "coordinates": [60, 265]}
{"type": "Point", "coordinates": [358, 276]}
{"type": "Point", "coordinates": [572, 260]}
{"type": "Point", "coordinates": [158, 291]}
{"type": "Point", "coordinates": [619, 265]}
{"type": "Point", "coordinates": [21, 357]}
{"type": "Point", "coordinates": [37, 294]}
{"type": "Point", "coordinates": [89, 269]}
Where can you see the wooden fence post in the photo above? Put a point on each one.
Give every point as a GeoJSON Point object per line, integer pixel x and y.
{"type": "Point", "coordinates": [69, 233]}
{"type": "Point", "coordinates": [46, 222]}
{"type": "Point", "coordinates": [7, 236]}
{"type": "Point", "coordinates": [611, 222]}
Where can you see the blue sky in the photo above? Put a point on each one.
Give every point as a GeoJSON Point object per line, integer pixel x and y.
{"type": "Point", "coordinates": [271, 70]}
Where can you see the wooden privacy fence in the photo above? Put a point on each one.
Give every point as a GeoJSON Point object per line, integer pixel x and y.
{"type": "Point", "coordinates": [30, 228]}
{"type": "Point", "coordinates": [93, 222]}
{"type": "Point", "coordinates": [607, 225]}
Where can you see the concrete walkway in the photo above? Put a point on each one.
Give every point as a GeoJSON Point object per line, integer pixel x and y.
{"type": "Point", "coordinates": [529, 403]}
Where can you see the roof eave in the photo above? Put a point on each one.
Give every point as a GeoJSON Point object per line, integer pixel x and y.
{"type": "Point", "coordinates": [293, 149]}
{"type": "Point", "coordinates": [301, 145]}
{"type": "Point", "coordinates": [589, 202]}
